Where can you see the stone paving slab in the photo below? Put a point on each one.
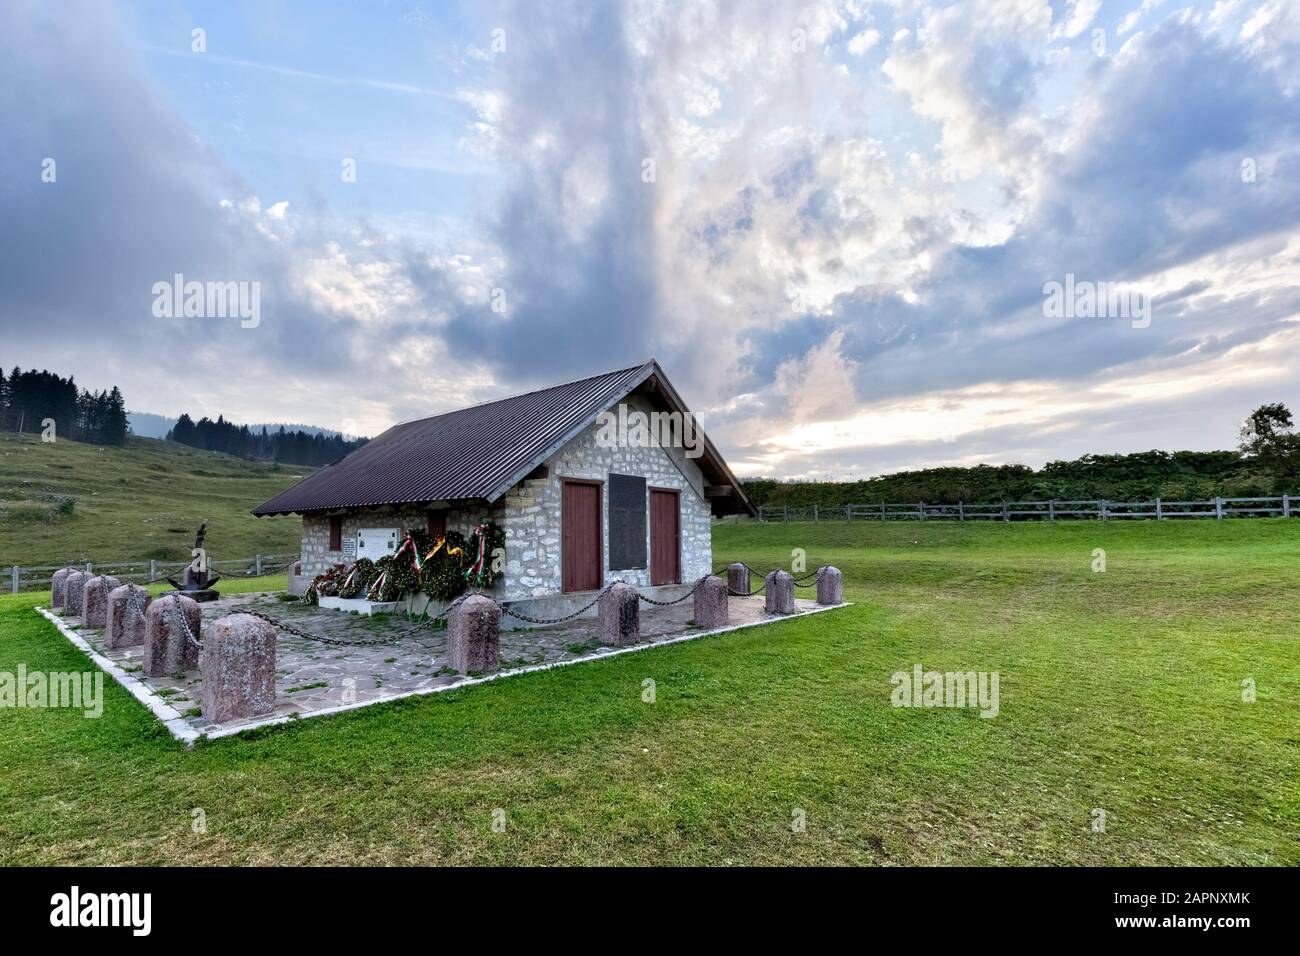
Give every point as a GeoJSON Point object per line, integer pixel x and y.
{"type": "Point", "coordinates": [384, 659]}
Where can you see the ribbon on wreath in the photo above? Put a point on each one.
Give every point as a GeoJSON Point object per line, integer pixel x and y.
{"type": "Point", "coordinates": [481, 561]}
{"type": "Point", "coordinates": [441, 542]}
{"type": "Point", "coordinates": [415, 552]}
{"type": "Point", "coordinates": [377, 589]}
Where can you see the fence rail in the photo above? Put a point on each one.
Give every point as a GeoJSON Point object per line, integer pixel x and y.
{"type": "Point", "coordinates": [20, 578]}
{"type": "Point", "coordinates": [1285, 506]}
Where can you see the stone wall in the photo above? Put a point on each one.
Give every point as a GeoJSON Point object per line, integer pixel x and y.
{"type": "Point", "coordinates": [530, 515]}
{"type": "Point", "coordinates": [532, 512]}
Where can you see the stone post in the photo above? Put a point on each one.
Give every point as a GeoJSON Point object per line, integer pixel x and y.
{"type": "Point", "coordinates": [711, 602]}
{"type": "Point", "coordinates": [830, 585]}
{"type": "Point", "coordinates": [237, 666]}
{"type": "Point", "coordinates": [474, 635]}
{"type": "Point", "coordinates": [167, 649]}
{"type": "Point", "coordinates": [94, 600]}
{"type": "Point", "coordinates": [75, 585]}
{"type": "Point", "coordinates": [738, 579]}
{"type": "Point", "coordinates": [59, 588]}
{"type": "Point", "coordinates": [620, 615]}
{"type": "Point", "coordinates": [125, 627]}
{"type": "Point", "coordinates": [778, 593]}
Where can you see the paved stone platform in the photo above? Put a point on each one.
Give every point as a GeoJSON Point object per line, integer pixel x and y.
{"type": "Point", "coordinates": [384, 658]}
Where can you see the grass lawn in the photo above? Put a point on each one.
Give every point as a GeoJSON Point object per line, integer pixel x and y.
{"type": "Point", "coordinates": [1119, 690]}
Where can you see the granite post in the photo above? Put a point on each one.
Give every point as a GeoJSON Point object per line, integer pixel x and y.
{"type": "Point", "coordinates": [619, 613]}
{"type": "Point", "coordinates": [75, 585]}
{"type": "Point", "coordinates": [778, 593]}
{"type": "Point", "coordinates": [711, 603]}
{"type": "Point", "coordinates": [126, 616]}
{"type": "Point", "coordinates": [167, 648]}
{"type": "Point", "coordinates": [237, 666]}
{"type": "Point", "coordinates": [738, 579]}
{"type": "Point", "coordinates": [94, 599]}
{"type": "Point", "coordinates": [830, 585]}
{"type": "Point", "coordinates": [474, 635]}
{"type": "Point", "coordinates": [59, 588]}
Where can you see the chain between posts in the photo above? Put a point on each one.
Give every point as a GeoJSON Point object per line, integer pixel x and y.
{"type": "Point", "coordinates": [506, 608]}
{"type": "Point", "coordinates": [178, 619]}
{"type": "Point", "coordinates": [133, 602]}
{"type": "Point", "coordinates": [808, 580]}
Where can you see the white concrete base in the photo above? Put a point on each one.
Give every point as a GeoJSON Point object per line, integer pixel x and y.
{"type": "Point", "coordinates": [359, 605]}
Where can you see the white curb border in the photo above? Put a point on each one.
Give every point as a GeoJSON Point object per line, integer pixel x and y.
{"type": "Point", "coordinates": [182, 731]}
{"type": "Point", "coordinates": [169, 715]}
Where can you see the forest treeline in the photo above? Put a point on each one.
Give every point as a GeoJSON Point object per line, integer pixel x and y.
{"type": "Point", "coordinates": [46, 403]}
{"type": "Point", "coordinates": [290, 447]}
{"type": "Point", "coordinates": [1266, 462]}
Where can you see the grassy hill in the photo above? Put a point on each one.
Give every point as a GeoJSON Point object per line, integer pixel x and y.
{"type": "Point", "coordinates": [65, 502]}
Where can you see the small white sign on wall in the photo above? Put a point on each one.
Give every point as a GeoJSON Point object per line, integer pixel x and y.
{"type": "Point", "coordinates": [374, 543]}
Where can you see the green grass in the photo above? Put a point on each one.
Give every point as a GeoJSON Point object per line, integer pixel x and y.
{"type": "Point", "coordinates": [65, 502]}
{"type": "Point", "coordinates": [1119, 691]}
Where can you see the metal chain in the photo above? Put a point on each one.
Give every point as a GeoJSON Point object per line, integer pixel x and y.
{"type": "Point", "coordinates": [296, 632]}
{"type": "Point", "coordinates": [799, 581]}
{"type": "Point", "coordinates": [134, 604]}
{"type": "Point", "coordinates": [538, 620]}
{"type": "Point", "coordinates": [179, 621]}
{"type": "Point", "coordinates": [679, 600]}
{"type": "Point", "coordinates": [507, 607]}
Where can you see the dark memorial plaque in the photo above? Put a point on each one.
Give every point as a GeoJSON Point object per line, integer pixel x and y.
{"type": "Point", "coordinates": [626, 522]}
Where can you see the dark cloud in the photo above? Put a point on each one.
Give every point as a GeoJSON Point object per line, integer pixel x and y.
{"type": "Point", "coordinates": [575, 227]}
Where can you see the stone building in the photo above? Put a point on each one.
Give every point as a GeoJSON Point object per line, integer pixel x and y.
{"type": "Point", "coordinates": [600, 479]}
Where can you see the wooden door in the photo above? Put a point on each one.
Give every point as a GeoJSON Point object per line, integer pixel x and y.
{"type": "Point", "coordinates": [581, 558]}
{"type": "Point", "coordinates": [665, 537]}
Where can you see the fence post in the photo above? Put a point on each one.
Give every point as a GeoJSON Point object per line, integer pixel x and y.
{"type": "Point", "coordinates": [1006, 515]}
{"type": "Point", "coordinates": [961, 511]}
{"type": "Point", "coordinates": [257, 565]}
{"type": "Point", "coordinates": [1218, 508]}
{"type": "Point", "coordinates": [15, 579]}
{"type": "Point", "coordinates": [1286, 506]}
{"type": "Point", "coordinates": [882, 511]}
{"type": "Point", "coordinates": [1160, 513]}
{"type": "Point", "coordinates": [1051, 510]}
{"type": "Point", "coordinates": [153, 569]}
{"type": "Point", "coordinates": [785, 512]}
{"type": "Point", "coordinates": [815, 518]}
{"type": "Point", "coordinates": [1104, 514]}
{"type": "Point", "coordinates": [88, 570]}
{"type": "Point", "coordinates": [848, 512]}
{"type": "Point", "coordinates": [920, 509]}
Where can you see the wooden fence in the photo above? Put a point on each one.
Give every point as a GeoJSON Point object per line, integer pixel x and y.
{"type": "Point", "coordinates": [1094, 508]}
{"type": "Point", "coordinates": [21, 578]}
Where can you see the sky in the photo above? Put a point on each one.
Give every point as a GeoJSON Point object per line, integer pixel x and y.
{"type": "Point", "coordinates": [834, 224]}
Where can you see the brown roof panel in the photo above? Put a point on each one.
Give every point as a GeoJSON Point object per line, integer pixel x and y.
{"type": "Point", "coordinates": [472, 453]}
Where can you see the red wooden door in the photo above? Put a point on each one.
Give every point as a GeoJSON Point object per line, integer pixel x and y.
{"type": "Point", "coordinates": [665, 537]}
{"type": "Point", "coordinates": [580, 564]}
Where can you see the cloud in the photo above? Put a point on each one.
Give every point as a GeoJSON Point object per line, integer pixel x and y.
{"type": "Point", "coordinates": [839, 261]}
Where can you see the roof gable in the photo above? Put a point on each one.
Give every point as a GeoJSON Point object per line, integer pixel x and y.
{"type": "Point", "coordinates": [482, 451]}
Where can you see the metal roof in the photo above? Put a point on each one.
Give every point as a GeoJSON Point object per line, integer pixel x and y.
{"type": "Point", "coordinates": [481, 452]}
